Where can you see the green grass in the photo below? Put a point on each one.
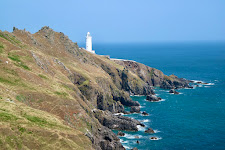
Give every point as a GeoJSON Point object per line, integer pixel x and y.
{"type": "Point", "coordinates": [14, 57]}
{"type": "Point", "coordinates": [9, 38]}
{"type": "Point", "coordinates": [2, 80]}
{"type": "Point", "coordinates": [20, 98]}
{"type": "Point", "coordinates": [64, 94]}
{"type": "Point", "coordinates": [18, 63]}
{"type": "Point", "coordinates": [4, 116]}
{"type": "Point", "coordinates": [1, 47]}
{"type": "Point", "coordinates": [42, 76]}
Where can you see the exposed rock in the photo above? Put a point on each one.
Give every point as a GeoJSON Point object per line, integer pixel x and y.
{"type": "Point", "coordinates": [173, 91]}
{"type": "Point", "coordinates": [153, 98]}
{"type": "Point", "coordinates": [120, 133]}
{"type": "Point", "coordinates": [106, 139]}
{"type": "Point", "coordinates": [111, 121]}
{"type": "Point", "coordinates": [134, 109]}
{"type": "Point", "coordinates": [149, 130]}
{"type": "Point", "coordinates": [145, 113]}
{"type": "Point", "coordinates": [153, 138]}
{"type": "Point", "coordinates": [135, 148]}
{"type": "Point", "coordinates": [137, 142]}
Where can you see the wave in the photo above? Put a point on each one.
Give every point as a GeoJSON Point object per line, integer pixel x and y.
{"type": "Point", "coordinates": [210, 84]}
{"type": "Point", "coordinates": [146, 120]}
{"type": "Point", "coordinates": [116, 114]}
{"type": "Point", "coordinates": [140, 128]}
{"type": "Point", "coordinates": [129, 136]}
{"type": "Point", "coordinates": [122, 141]}
{"type": "Point", "coordinates": [157, 131]}
{"type": "Point", "coordinates": [207, 86]}
{"type": "Point", "coordinates": [202, 82]}
{"type": "Point", "coordinates": [142, 106]}
{"type": "Point", "coordinates": [126, 147]}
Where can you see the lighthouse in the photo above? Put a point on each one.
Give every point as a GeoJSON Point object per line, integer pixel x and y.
{"type": "Point", "coordinates": [89, 43]}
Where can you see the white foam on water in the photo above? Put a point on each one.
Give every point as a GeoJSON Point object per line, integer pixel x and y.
{"type": "Point", "coordinates": [122, 141]}
{"type": "Point", "coordinates": [207, 86]}
{"type": "Point", "coordinates": [126, 147]}
{"type": "Point", "coordinates": [142, 106]}
{"type": "Point", "coordinates": [146, 120]}
{"type": "Point", "coordinates": [129, 136]}
{"type": "Point", "coordinates": [210, 84]}
{"type": "Point", "coordinates": [195, 81]}
{"type": "Point", "coordinates": [116, 114]}
{"type": "Point", "coordinates": [157, 131]}
{"type": "Point", "coordinates": [140, 128]}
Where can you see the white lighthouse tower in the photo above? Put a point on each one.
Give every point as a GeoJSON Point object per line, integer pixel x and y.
{"type": "Point", "coordinates": [89, 43]}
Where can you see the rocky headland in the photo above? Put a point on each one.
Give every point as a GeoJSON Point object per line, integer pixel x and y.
{"type": "Point", "coordinates": [47, 72]}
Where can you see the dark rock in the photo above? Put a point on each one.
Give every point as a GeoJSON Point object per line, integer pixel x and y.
{"type": "Point", "coordinates": [120, 133]}
{"type": "Point", "coordinates": [137, 142]}
{"type": "Point", "coordinates": [144, 113]}
{"type": "Point", "coordinates": [173, 91]}
{"type": "Point", "coordinates": [134, 109]}
{"type": "Point", "coordinates": [153, 138]}
{"type": "Point", "coordinates": [149, 130]}
{"type": "Point", "coordinates": [153, 98]}
{"type": "Point", "coordinates": [106, 139]}
{"type": "Point", "coordinates": [111, 121]}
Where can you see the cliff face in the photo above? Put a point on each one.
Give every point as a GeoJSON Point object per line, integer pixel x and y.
{"type": "Point", "coordinates": [48, 72]}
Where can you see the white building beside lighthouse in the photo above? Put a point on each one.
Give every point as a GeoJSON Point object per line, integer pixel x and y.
{"type": "Point", "coordinates": [89, 43]}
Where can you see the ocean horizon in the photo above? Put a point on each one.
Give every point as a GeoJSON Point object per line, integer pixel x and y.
{"type": "Point", "coordinates": [194, 119]}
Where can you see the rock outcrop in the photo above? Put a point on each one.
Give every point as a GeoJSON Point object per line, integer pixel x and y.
{"type": "Point", "coordinates": [153, 98]}
{"type": "Point", "coordinates": [119, 122]}
{"type": "Point", "coordinates": [134, 109]}
{"type": "Point", "coordinates": [149, 130]}
{"type": "Point", "coordinates": [173, 92]}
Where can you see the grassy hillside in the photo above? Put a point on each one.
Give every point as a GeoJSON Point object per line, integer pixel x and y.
{"type": "Point", "coordinates": [49, 89]}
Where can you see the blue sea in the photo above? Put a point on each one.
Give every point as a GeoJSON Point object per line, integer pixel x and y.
{"type": "Point", "coordinates": [194, 119]}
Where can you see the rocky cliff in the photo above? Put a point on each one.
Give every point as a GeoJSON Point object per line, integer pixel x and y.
{"type": "Point", "coordinates": [47, 72]}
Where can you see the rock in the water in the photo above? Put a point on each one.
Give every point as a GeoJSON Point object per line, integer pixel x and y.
{"type": "Point", "coordinates": [144, 113]}
{"type": "Point", "coordinates": [136, 137]}
{"type": "Point", "coordinates": [153, 138]}
{"type": "Point", "coordinates": [120, 133]}
{"type": "Point", "coordinates": [153, 98]}
{"type": "Point", "coordinates": [137, 142]}
{"type": "Point", "coordinates": [173, 91]}
{"type": "Point", "coordinates": [134, 148]}
{"type": "Point", "coordinates": [149, 130]}
{"type": "Point", "coordinates": [134, 109]}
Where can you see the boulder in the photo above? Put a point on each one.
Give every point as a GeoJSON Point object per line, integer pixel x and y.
{"type": "Point", "coordinates": [149, 130]}
{"type": "Point", "coordinates": [134, 109]}
{"type": "Point", "coordinates": [173, 91]}
{"type": "Point", "coordinates": [137, 142]}
{"type": "Point", "coordinates": [120, 133]}
{"type": "Point", "coordinates": [134, 148]}
{"type": "Point", "coordinates": [144, 113]}
{"type": "Point", "coordinates": [153, 138]}
{"type": "Point", "coordinates": [153, 98]}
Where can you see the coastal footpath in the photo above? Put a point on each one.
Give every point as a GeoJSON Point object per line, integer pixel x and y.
{"type": "Point", "coordinates": [54, 95]}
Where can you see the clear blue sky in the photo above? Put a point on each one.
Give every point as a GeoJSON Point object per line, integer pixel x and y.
{"type": "Point", "coordinates": [120, 20]}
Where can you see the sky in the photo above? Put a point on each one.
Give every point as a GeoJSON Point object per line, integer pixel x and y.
{"type": "Point", "coordinates": [120, 21]}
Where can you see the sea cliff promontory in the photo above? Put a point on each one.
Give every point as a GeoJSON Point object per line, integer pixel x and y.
{"type": "Point", "coordinates": [55, 95]}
